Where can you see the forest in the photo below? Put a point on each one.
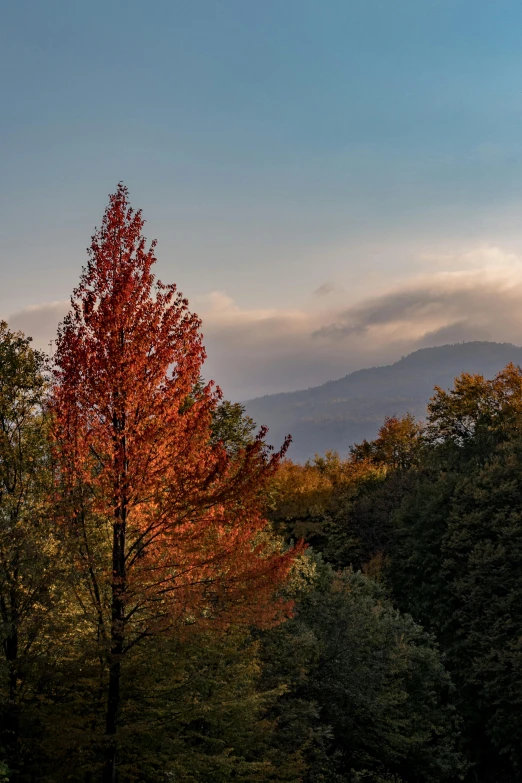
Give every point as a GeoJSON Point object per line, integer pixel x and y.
{"type": "Point", "coordinates": [180, 602]}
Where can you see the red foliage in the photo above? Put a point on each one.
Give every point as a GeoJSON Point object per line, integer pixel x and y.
{"type": "Point", "coordinates": [168, 523]}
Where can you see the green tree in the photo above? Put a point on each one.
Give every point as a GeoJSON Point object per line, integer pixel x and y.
{"type": "Point", "coordinates": [196, 711]}
{"type": "Point", "coordinates": [368, 696]}
{"type": "Point", "coordinates": [457, 555]}
{"type": "Point", "coordinates": [232, 427]}
{"type": "Point", "coordinates": [28, 548]}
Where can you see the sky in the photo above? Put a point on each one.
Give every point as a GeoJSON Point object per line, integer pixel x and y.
{"type": "Point", "coordinates": [332, 183]}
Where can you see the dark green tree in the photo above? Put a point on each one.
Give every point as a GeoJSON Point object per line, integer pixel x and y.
{"type": "Point", "coordinates": [456, 560]}
{"type": "Point", "coordinates": [368, 696]}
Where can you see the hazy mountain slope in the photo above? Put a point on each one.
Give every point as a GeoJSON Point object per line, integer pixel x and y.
{"type": "Point", "coordinates": [339, 413]}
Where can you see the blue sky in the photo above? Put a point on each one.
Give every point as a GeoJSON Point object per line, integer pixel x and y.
{"type": "Point", "coordinates": [278, 148]}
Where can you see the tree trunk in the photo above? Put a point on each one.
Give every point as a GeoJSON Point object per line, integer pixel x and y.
{"type": "Point", "coordinates": [119, 578]}
{"type": "Point", "coordinates": [11, 727]}
{"type": "Point", "coordinates": [117, 639]}
{"type": "Point", "coordinates": [113, 702]}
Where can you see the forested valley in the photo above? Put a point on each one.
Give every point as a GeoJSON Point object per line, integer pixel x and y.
{"type": "Point", "coordinates": [179, 602]}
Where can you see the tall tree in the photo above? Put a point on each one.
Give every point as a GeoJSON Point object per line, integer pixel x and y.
{"type": "Point", "coordinates": [27, 546]}
{"type": "Point", "coordinates": [456, 560]}
{"type": "Point", "coordinates": [166, 520]}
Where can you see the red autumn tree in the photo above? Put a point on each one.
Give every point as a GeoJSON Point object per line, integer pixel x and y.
{"type": "Point", "coordinates": [166, 523]}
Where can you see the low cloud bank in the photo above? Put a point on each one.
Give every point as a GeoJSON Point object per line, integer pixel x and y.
{"type": "Point", "coordinates": [39, 321]}
{"type": "Point", "coordinates": [253, 352]}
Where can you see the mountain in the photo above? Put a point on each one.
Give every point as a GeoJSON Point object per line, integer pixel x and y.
{"type": "Point", "coordinates": [342, 412]}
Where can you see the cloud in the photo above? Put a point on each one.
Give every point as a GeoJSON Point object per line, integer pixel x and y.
{"type": "Point", "coordinates": [39, 321]}
{"type": "Point", "coordinates": [254, 351]}
{"type": "Point", "coordinates": [486, 258]}
{"type": "Point", "coordinates": [325, 289]}
{"type": "Point", "coordinates": [481, 299]}
{"type": "Point", "coordinates": [458, 332]}
{"type": "Point", "coordinates": [449, 308]}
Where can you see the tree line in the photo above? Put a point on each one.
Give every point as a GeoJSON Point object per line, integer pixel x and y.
{"type": "Point", "coordinates": [178, 602]}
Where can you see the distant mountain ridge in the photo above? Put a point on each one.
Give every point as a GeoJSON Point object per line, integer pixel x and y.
{"type": "Point", "coordinates": [341, 412]}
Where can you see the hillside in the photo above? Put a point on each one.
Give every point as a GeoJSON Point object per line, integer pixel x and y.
{"type": "Point", "coordinates": [341, 412]}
